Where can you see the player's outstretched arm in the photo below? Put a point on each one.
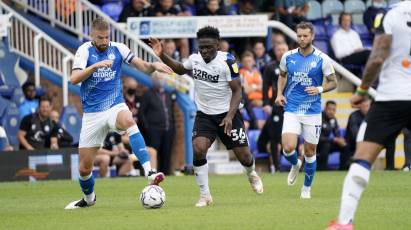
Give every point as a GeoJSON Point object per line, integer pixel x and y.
{"type": "Point", "coordinates": [173, 64]}
{"type": "Point", "coordinates": [149, 68]}
{"type": "Point", "coordinates": [79, 75]}
{"type": "Point", "coordinates": [280, 100]}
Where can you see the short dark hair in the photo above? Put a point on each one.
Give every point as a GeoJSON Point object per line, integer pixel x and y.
{"type": "Point", "coordinates": [208, 32]}
{"type": "Point", "coordinates": [331, 102]}
{"type": "Point", "coordinates": [45, 98]}
{"type": "Point", "coordinates": [342, 15]}
{"type": "Point", "coordinates": [26, 85]}
{"type": "Point", "coordinates": [100, 24]}
{"type": "Point", "coordinates": [305, 25]}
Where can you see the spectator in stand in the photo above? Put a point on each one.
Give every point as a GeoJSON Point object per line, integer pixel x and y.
{"type": "Point", "coordinates": [377, 7]}
{"type": "Point", "coordinates": [292, 12]}
{"type": "Point", "coordinates": [212, 9]}
{"type": "Point", "coordinates": [30, 103]}
{"type": "Point", "coordinates": [189, 6]}
{"type": "Point", "coordinates": [64, 139]}
{"type": "Point", "coordinates": [261, 57]}
{"type": "Point", "coordinates": [167, 8]}
{"type": "Point", "coordinates": [353, 125]}
{"type": "Point", "coordinates": [252, 79]}
{"type": "Point", "coordinates": [271, 132]}
{"type": "Point", "coordinates": [276, 39]}
{"type": "Point", "coordinates": [224, 46]}
{"type": "Point", "coordinates": [330, 137]}
{"type": "Point", "coordinates": [347, 45]}
{"type": "Point", "coordinates": [130, 97]}
{"type": "Point", "coordinates": [4, 142]}
{"type": "Point", "coordinates": [157, 119]}
{"type": "Point", "coordinates": [37, 130]}
{"type": "Point", "coordinates": [170, 49]}
{"type": "Point", "coordinates": [136, 8]}
{"type": "Point", "coordinates": [113, 152]}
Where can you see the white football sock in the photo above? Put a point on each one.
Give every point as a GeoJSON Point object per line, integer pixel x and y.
{"type": "Point", "coordinates": [250, 169]}
{"type": "Point", "coordinates": [201, 174]}
{"type": "Point", "coordinates": [354, 184]}
{"type": "Point", "coordinates": [147, 168]}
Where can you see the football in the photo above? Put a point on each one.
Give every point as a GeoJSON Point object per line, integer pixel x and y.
{"type": "Point", "coordinates": [152, 196]}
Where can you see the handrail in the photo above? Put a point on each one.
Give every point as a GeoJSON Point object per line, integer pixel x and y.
{"type": "Point", "coordinates": [65, 14]}
{"type": "Point", "coordinates": [338, 67]}
{"type": "Point", "coordinates": [32, 43]}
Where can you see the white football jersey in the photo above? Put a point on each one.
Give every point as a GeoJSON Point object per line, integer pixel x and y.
{"type": "Point", "coordinates": [212, 92]}
{"type": "Point", "coordinates": [395, 76]}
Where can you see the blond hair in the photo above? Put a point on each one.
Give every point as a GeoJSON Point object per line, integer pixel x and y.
{"type": "Point", "coordinates": [100, 24]}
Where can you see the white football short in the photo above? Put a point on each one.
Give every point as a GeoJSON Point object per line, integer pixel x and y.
{"type": "Point", "coordinates": [95, 126]}
{"type": "Point", "coordinates": [307, 125]}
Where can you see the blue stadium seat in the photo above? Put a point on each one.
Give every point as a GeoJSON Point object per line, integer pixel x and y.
{"type": "Point", "coordinates": [362, 30]}
{"type": "Point", "coordinates": [320, 32]}
{"type": "Point", "coordinates": [369, 2]}
{"type": "Point", "coordinates": [333, 8]}
{"type": "Point", "coordinates": [113, 9]}
{"type": "Point", "coordinates": [331, 30]}
{"type": "Point", "coordinates": [252, 142]}
{"type": "Point", "coordinates": [11, 123]}
{"type": "Point", "coordinates": [6, 91]}
{"type": "Point", "coordinates": [3, 143]}
{"type": "Point", "coordinates": [245, 115]}
{"type": "Point", "coordinates": [259, 113]}
{"type": "Point", "coordinates": [18, 96]}
{"type": "Point", "coordinates": [4, 103]}
{"type": "Point", "coordinates": [322, 45]}
{"type": "Point", "coordinates": [7, 62]}
{"type": "Point", "coordinates": [392, 2]}
{"type": "Point", "coordinates": [314, 11]}
{"type": "Point", "coordinates": [334, 160]}
{"type": "Point", "coordinates": [71, 121]}
{"type": "Point", "coordinates": [356, 8]}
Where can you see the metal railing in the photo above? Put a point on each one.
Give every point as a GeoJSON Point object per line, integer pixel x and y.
{"type": "Point", "coordinates": [338, 67]}
{"type": "Point", "coordinates": [30, 42]}
{"type": "Point", "coordinates": [76, 16]}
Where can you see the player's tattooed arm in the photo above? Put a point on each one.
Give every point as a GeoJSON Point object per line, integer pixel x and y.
{"type": "Point", "coordinates": [176, 66]}
{"type": "Point", "coordinates": [330, 83]}
{"type": "Point", "coordinates": [380, 51]}
{"type": "Point", "coordinates": [149, 68]}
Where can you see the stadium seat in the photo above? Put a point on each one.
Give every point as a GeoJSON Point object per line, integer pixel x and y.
{"type": "Point", "coordinates": [259, 113]}
{"type": "Point", "coordinates": [4, 103]}
{"type": "Point", "coordinates": [113, 9]}
{"type": "Point", "coordinates": [71, 121]}
{"type": "Point", "coordinates": [245, 115]}
{"type": "Point", "coordinates": [7, 62]}
{"type": "Point", "coordinates": [314, 11]}
{"type": "Point", "coordinates": [392, 2]}
{"type": "Point", "coordinates": [356, 8]}
{"type": "Point", "coordinates": [17, 97]}
{"type": "Point", "coordinates": [334, 160]}
{"type": "Point", "coordinates": [252, 142]}
{"type": "Point", "coordinates": [320, 32]}
{"type": "Point", "coordinates": [322, 45]}
{"type": "Point", "coordinates": [333, 8]}
{"type": "Point", "coordinates": [11, 123]}
{"type": "Point", "coordinates": [331, 30]}
{"type": "Point", "coordinates": [369, 2]}
{"type": "Point", "coordinates": [362, 30]}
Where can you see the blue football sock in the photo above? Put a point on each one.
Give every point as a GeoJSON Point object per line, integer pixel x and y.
{"type": "Point", "coordinates": [309, 170]}
{"type": "Point", "coordinates": [291, 157]}
{"type": "Point", "coordinates": [139, 148]}
{"type": "Point", "coordinates": [87, 184]}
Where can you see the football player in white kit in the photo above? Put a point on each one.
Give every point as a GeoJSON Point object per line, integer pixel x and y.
{"type": "Point", "coordinates": [302, 72]}
{"type": "Point", "coordinates": [217, 95]}
{"type": "Point", "coordinates": [97, 65]}
{"type": "Point", "coordinates": [390, 59]}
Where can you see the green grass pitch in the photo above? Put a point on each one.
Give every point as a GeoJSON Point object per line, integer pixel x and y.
{"type": "Point", "coordinates": [386, 204]}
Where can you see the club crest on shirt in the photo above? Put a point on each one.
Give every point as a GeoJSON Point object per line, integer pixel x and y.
{"type": "Point", "coordinates": [111, 56]}
{"type": "Point", "coordinates": [313, 64]}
